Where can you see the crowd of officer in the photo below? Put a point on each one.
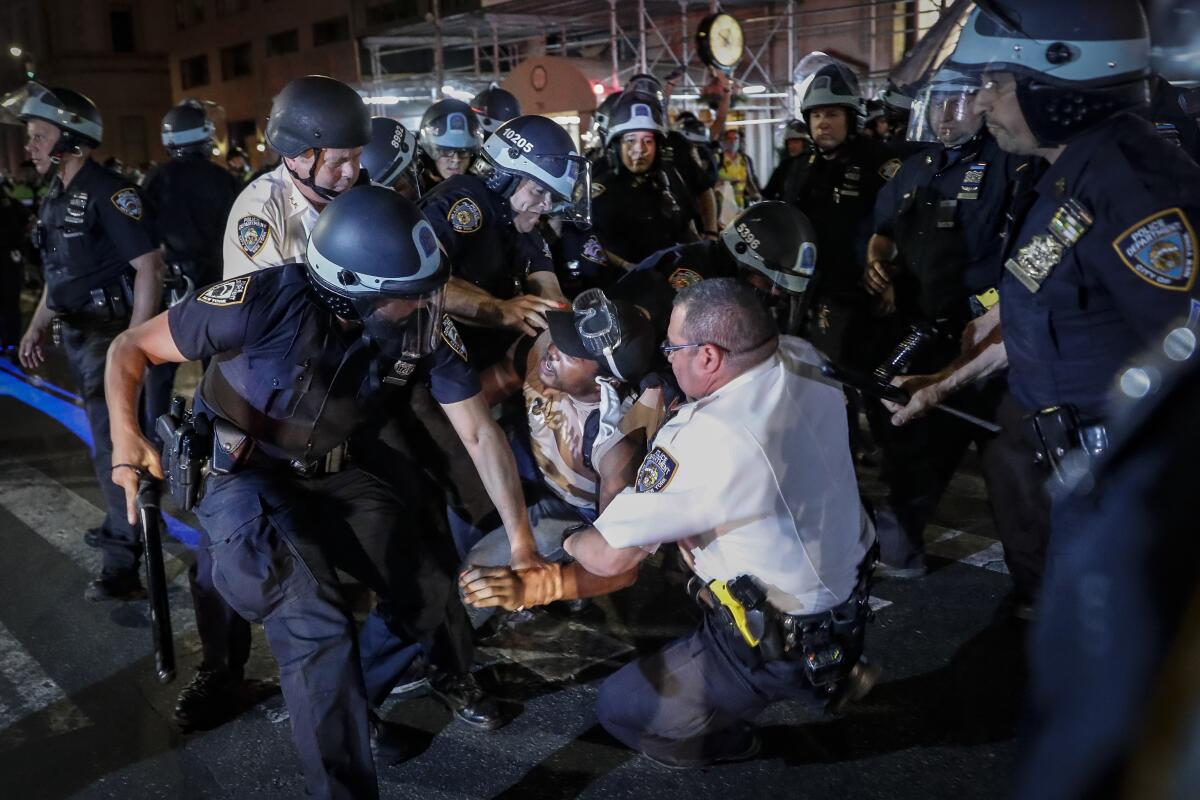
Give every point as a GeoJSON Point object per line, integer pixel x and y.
{"type": "Point", "coordinates": [431, 363]}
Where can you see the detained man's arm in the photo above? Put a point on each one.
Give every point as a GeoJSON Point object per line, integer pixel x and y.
{"type": "Point", "coordinates": [497, 468]}
{"type": "Point", "coordinates": [986, 357]}
{"type": "Point", "coordinates": [147, 286]}
{"type": "Point", "coordinates": [545, 285]}
{"type": "Point", "coordinates": [128, 357]}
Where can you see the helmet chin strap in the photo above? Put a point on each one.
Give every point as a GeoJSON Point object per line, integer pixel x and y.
{"type": "Point", "coordinates": [329, 195]}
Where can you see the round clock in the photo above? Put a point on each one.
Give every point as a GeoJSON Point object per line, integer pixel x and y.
{"type": "Point", "coordinates": [719, 41]}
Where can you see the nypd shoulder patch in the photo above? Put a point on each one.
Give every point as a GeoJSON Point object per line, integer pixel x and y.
{"type": "Point", "coordinates": [656, 471]}
{"type": "Point", "coordinates": [889, 169]}
{"type": "Point", "coordinates": [128, 202]}
{"type": "Point", "coordinates": [1161, 249]}
{"type": "Point", "coordinates": [253, 233]}
{"type": "Point", "coordinates": [464, 216]}
{"type": "Point", "coordinates": [683, 277]}
{"type": "Point", "coordinates": [227, 293]}
{"type": "Point", "coordinates": [452, 338]}
{"type": "Point", "coordinates": [593, 251]}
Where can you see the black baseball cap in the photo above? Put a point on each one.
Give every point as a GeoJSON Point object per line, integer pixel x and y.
{"type": "Point", "coordinates": [633, 357]}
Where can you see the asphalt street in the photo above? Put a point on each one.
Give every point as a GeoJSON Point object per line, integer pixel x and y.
{"type": "Point", "coordinates": [82, 714]}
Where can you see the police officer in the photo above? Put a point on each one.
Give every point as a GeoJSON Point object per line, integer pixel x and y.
{"type": "Point", "coordinates": [319, 126]}
{"type": "Point", "coordinates": [835, 187]}
{"type": "Point", "coordinates": [1099, 260]}
{"type": "Point", "coordinates": [703, 148]}
{"type": "Point", "coordinates": [503, 276]}
{"type": "Point", "coordinates": [774, 526]}
{"type": "Point", "coordinates": [640, 204]}
{"type": "Point", "coordinates": [238, 164]}
{"type": "Point", "coordinates": [935, 260]}
{"type": "Point", "coordinates": [103, 273]}
{"type": "Point", "coordinates": [450, 138]}
{"type": "Point", "coordinates": [685, 153]}
{"type": "Point", "coordinates": [312, 353]}
{"type": "Point", "coordinates": [495, 106]}
{"type": "Point", "coordinates": [770, 245]}
{"type": "Point", "coordinates": [796, 142]}
{"type": "Point", "coordinates": [390, 157]}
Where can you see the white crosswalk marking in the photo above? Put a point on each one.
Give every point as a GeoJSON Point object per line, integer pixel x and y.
{"type": "Point", "coordinates": [30, 690]}
{"type": "Point", "coordinates": [60, 517]}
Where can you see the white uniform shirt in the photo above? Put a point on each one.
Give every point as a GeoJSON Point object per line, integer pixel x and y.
{"type": "Point", "coordinates": [756, 479]}
{"type": "Point", "coordinates": [269, 224]}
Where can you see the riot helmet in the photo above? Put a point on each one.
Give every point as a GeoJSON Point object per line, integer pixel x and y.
{"type": "Point", "coordinates": [776, 240]}
{"type": "Point", "coordinates": [495, 106]}
{"type": "Point", "coordinates": [645, 83]}
{"type": "Point", "coordinates": [1075, 62]}
{"type": "Point", "coordinates": [832, 85]}
{"type": "Point", "coordinates": [390, 152]}
{"type": "Point", "coordinates": [538, 148]}
{"type": "Point", "coordinates": [374, 258]}
{"type": "Point", "coordinates": [317, 113]}
{"type": "Point", "coordinates": [450, 126]}
{"type": "Point", "coordinates": [635, 112]}
{"type": "Point", "coordinates": [943, 110]}
{"type": "Point", "coordinates": [186, 129]}
{"type": "Point", "coordinates": [71, 112]}
{"type": "Point", "coordinates": [695, 131]}
{"type": "Point", "coordinates": [601, 118]}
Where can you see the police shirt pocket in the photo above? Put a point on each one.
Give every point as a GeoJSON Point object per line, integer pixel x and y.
{"type": "Point", "coordinates": [283, 385]}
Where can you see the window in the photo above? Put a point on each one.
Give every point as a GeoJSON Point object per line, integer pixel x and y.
{"type": "Point", "coordinates": [235, 61]}
{"type": "Point", "coordinates": [283, 42]}
{"type": "Point", "coordinates": [193, 71]}
{"type": "Point", "coordinates": [188, 13]}
{"type": "Point", "coordinates": [331, 30]}
{"type": "Point", "coordinates": [120, 23]}
{"type": "Point", "coordinates": [227, 8]}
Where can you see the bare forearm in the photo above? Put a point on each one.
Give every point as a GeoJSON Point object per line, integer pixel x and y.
{"type": "Point", "coordinates": [598, 557]}
{"type": "Point", "coordinates": [986, 360]}
{"type": "Point", "coordinates": [124, 372]}
{"type": "Point", "coordinates": [466, 301]}
{"type": "Point", "coordinates": [147, 287]}
{"type": "Point", "coordinates": [545, 284]}
{"type": "Point", "coordinates": [497, 468]}
{"type": "Point", "coordinates": [708, 210]}
{"type": "Point", "coordinates": [880, 248]}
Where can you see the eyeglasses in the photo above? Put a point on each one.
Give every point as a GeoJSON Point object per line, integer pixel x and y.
{"type": "Point", "coordinates": [668, 348]}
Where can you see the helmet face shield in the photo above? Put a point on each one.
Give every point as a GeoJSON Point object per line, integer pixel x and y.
{"type": "Point", "coordinates": [402, 327]}
{"type": "Point", "coordinates": [576, 208]}
{"type": "Point", "coordinates": [944, 114]}
{"type": "Point", "coordinates": [34, 101]}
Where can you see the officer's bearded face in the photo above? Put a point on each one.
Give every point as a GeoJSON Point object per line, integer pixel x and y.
{"type": "Point", "coordinates": [567, 374]}
{"type": "Point", "coordinates": [637, 151]}
{"type": "Point", "coordinates": [336, 170]}
{"type": "Point", "coordinates": [529, 201]}
{"type": "Point", "coordinates": [997, 102]}
{"type": "Point", "coordinates": [829, 126]}
{"type": "Point", "coordinates": [42, 138]}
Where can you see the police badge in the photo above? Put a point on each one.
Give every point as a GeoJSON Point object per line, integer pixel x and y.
{"type": "Point", "coordinates": [464, 216]}
{"type": "Point", "coordinates": [253, 233]}
{"type": "Point", "coordinates": [593, 251]}
{"type": "Point", "coordinates": [682, 278]}
{"type": "Point", "coordinates": [656, 471]}
{"type": "Point", "coordinates": [1034, 261]}
{"type": "Point", "coordinates": [1161, 250]}
{"type": "Point", "coordinates": [128, 202]}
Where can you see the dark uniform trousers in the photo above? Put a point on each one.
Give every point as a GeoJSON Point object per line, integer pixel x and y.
{"type": "Point", "coordinates": [920, 459]}
{"type": "Point", "coordinates": [691, 703]}
{"type": "Point", "coordinates": [276, 540]}
{"type": "Point", "coordinates": [86, 347]}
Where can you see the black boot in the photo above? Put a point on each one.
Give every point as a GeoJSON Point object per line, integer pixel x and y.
{"type": "Point", "coordinates": [120, 586]}
{"type": "Point", "coordinates": [463, 695]}
{"type": "Point", "coordinates": [208, 700]}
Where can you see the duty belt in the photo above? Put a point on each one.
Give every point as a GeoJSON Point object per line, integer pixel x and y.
{"type": "Point", "coordinates": [1063, 444]}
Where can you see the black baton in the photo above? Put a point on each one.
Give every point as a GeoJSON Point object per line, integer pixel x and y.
{"type": "Point", "coordinates": [149, 496]}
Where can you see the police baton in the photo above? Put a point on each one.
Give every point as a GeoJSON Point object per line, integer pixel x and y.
{"type": "Point", "coordinates": [886, 391]}
{"type": "Point", "coordinates": [149, 496]}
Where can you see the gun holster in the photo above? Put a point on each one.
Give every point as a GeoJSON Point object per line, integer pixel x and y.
{"type": "Point", "coordinates": [1062, 444]}
{"type": "Point", "coordinates": [184, 454]}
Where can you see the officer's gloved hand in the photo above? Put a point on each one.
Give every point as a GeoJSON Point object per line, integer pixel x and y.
{"type": "Point", "coordinates": [490, 587]}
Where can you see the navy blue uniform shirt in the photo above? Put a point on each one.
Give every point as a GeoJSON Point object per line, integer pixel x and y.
{"type": "Point", "coordinates": [288, 372]}
{"type": "Point", "coordinates": [1109, 232]}
{"type": "Point", "coordinates": [189, 199]}
{"type": "Point", "coordinates": [90, 232]}
{"type": "Point", "coordinates": [635, 216]}
{"type": "Point", "coordinates": [944, 209]}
